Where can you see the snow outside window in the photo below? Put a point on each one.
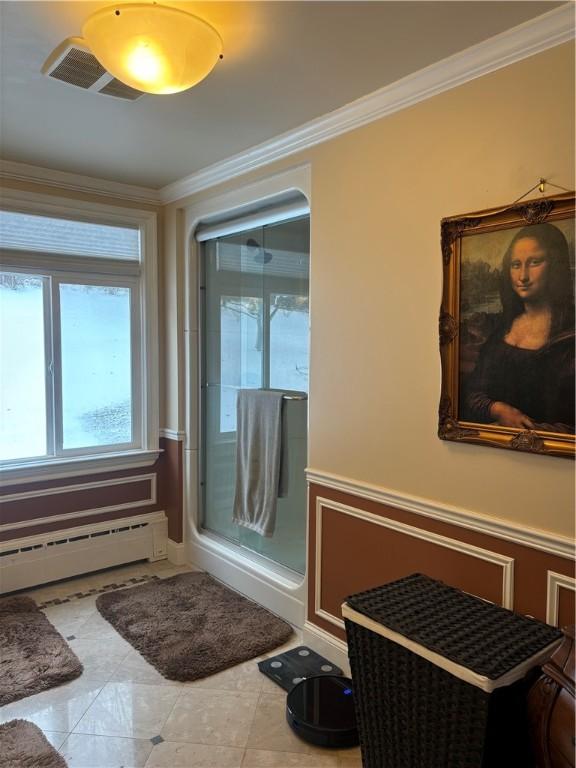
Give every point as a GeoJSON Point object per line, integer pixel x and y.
{"type": "Point", "coordinates": [74, 342]}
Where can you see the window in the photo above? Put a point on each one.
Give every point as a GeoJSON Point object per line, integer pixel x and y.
{"type": "Point", "coordinates": [77, 338]}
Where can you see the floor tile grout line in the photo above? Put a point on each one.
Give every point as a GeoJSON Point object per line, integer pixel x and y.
{"type": "Point", "coordinates": [229, 746]}
{"type": "Point", "coordinates": [179, 695]}
{"type": "Point", "coordinates": [59, 750]}
{"type": "Point", "coordinates": [176, 700]}
{"type": "Point", "coordinates": [86, 710]}
{"type": "Point", "coordinates": [108, 736]}
{"type": "Point", "coordinates": [46, 731]}
{"type": "Point", "coordinates": [252, 721]}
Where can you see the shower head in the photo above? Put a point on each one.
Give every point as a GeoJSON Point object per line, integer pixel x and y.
{"type": "Point", "coordinates": [261, 256]}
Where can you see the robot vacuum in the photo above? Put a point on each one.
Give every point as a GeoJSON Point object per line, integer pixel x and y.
{"type": "Point", "coordinates": [321, 711]}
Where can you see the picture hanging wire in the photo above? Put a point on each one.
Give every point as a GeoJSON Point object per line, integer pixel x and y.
{"type": "Point", "coordinates": [541, 186]}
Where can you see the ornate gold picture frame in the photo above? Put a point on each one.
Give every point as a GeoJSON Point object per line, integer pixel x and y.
{"type": "Point", "coordinates": [507, 327]}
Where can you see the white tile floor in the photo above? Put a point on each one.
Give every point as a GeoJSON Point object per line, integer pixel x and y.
{"type": "Point", "coordinates": [121, 713]}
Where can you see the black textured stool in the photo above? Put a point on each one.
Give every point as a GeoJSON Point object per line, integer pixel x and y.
{"type": "Point", "coordinates": [440, 677]}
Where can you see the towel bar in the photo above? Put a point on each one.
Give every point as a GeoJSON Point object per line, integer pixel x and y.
{"type": "Point", "coordinates": [299, 396]}
{"type": "Point", "coordinates": [287, 395]}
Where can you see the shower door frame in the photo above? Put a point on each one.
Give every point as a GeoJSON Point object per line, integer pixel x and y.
{"type": "Point", "coordinates": [257, 286]}
{"type": "Point", "coordinates": [264, 581]}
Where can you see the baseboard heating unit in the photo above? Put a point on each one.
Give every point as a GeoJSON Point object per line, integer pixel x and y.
{"type": "Point", "coordinates": [45, 557]}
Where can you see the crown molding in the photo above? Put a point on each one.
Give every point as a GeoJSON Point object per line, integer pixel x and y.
{"type": "Point", "coordinates": [75, 182]}
{"type": "Point", "coordinates": [525, 40]}
{"type": "Point", "coordinates": [513, 45]}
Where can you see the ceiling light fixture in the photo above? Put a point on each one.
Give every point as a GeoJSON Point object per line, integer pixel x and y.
{"type": "Point", "coordinates": [154, 48]}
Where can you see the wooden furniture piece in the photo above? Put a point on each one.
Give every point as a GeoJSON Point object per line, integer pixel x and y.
{"type": "Point", "coordinates": [551, 708]}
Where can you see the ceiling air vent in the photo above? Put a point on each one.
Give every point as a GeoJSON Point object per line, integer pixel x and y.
{"type": "Point", "coordinates": [120, 90]}
{"type": "Point", "coordinates": [73, 63]}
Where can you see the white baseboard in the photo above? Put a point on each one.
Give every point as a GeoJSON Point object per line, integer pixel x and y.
{"type": "Point", "coordinates": [176, 552]}
{"type": "Point", "coordinates": [326, 645]}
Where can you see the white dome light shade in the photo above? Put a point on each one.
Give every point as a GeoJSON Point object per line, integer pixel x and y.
{"type": "Point", "coordinates": [153, 48]}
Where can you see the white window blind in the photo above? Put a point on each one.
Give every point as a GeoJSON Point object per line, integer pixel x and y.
{"type": "Point", "coordinates": [45, 234]}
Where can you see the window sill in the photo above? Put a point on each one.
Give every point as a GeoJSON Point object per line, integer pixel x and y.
{"type": "Point", "coordinates": [55, 469]}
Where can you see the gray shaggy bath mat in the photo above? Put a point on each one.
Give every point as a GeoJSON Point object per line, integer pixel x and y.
{"type": "Point", "coordinates": [23, 745]}
{"type": "Point", "coordinates": [191, 626]}
{"type": "Point", "coordinates": [33, 654]}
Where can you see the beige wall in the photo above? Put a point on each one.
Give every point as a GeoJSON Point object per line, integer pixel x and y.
{"type": "Point", "coordinates": [378, 195]}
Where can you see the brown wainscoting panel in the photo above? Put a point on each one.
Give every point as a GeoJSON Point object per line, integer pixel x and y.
{"type": "Point", "coordinates": [170, 480]}
{"type": "Point", "coordinates": [566, 606]}
{"type": "Point", "coordinates": [135, 492]}
{"type": "Point", "coordinates": [398, 553]}
{"type": "Point", "coordinates": [377, 551]}
{"type": "Point", "coordinates": [63, 482]}
{"type": "Point", "coordinates": [356, 552]}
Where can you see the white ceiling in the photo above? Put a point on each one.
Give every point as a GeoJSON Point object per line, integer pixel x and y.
{"type": "Point", "coordinates": [285, 63]}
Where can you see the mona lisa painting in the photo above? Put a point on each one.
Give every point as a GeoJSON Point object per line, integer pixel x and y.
{"type": "Point", "coordinates": [507, 327]}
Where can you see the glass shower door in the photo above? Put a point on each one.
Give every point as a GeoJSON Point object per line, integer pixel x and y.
{"type": "Point", "coordinates": [256, 335]}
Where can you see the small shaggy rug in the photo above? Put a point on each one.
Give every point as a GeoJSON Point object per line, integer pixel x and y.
{"type": "Point", "coordinates": [33, 654]}
{"type": "Point", "coordinates": [23, 745]}
{"type": "Point", "coordinates": [191, 626]}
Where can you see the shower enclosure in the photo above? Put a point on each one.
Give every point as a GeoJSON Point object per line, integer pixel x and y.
{"type": "Point", "coordinates": [255, 332]}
